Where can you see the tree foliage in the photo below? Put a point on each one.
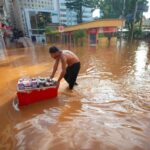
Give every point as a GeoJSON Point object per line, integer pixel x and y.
{"type": "Point", "coordinates": [78, 34]}
{"type": "Point", "coordinates": [50, 30]}
{"type": "Point", "coordinates": [122, 9]}
{"type": "Point", "coordinates": [112, 9]}
{"type": "Point", "coordinates": [109, 8]}
{"type": "Point", "coordinates": [77, 6]}
{"type": "Point", "coordinates": [5, 22]}
{"type": "Point", "coordinates": [130, 10]}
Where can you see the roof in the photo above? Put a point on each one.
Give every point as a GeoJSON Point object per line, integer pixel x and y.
{"type": "Point", "coordinates": [96, 24]}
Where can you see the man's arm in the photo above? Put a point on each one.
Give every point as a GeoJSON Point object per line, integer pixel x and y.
{"type": "Point", "coordinates": [55, 68]}
{"type": "Point", "coordinates": [63, 72]}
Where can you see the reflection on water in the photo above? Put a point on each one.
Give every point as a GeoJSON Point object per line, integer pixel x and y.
{"type": "Point", "coordinates": [2, 54]}
{"type": "Point", "coordinates": [141, 59]}
{"type": "Point", "coordinates": [109, 110]}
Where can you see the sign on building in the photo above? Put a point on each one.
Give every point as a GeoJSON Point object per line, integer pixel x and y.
{"type": "Point", "coordinates": [61, 28]}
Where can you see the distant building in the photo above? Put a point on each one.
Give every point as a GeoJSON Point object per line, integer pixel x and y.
{"type": "Point", "coordinates": [1, 8]}
{"type": "Point", "coordinates": [2, 16]}
{"type": "Point", "coordinates": [33, 16]}
{"type": "Point", "coordinates": [6, 10]}
{"type": "Point", "coordinates": [9, 12]}
{"type": "Point", "coordinates": [68, 17]}
{"type": "Point", "coordinates": [95, 33]}
{"type": "Point", "coordinates": [146, 23]}
{"type": "Point", "coordinates": [2, 44]}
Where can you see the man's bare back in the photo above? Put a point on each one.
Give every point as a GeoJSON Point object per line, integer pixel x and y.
{"type": "Point", "coordinates": [70, 57]}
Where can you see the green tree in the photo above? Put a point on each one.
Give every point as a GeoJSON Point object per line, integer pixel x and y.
{"type": "Point", "coordinates": [77, 6]}
{"type": "Point", "coordinates": [43, 19]}
{"type": "Point", "coordinates": [5, 21]}
{"type": "Point", "coordinates": [134, 14]}
{"type": "Point", "coordinates": [109, 8]}
{"type": "Point", "coordinates": [79, 35]}
{"type": "Point", "coordinates": [50, 30]}
{"type": "Point", "coordinates": [123, 9]}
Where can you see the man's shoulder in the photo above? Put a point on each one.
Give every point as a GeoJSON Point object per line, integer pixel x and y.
{"type": "Point", "coordinates": [63, 56]}
{"type": "Point", "coordinates": [65, 50]}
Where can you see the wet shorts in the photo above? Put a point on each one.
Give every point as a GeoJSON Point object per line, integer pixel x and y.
{"type": "Point", "coordinates": [71, 74]}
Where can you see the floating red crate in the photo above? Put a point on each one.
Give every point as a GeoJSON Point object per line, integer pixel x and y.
{"type": "Point", "coordinates": [31, 96]}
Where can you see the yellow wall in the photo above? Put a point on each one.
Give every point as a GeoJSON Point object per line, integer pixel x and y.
{"type": "Point", "coordinates": [103, 41]}
{"type": "Point", "coordinates": [113, 41]}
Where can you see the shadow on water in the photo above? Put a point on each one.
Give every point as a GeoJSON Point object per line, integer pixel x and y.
{"type": "Point", "coordinates": [109, 110]}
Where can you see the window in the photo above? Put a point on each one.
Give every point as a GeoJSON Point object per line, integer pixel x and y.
{"type": "Point", "coordinates": [85, 16]}
{"type": "Point", "coordinates": [62, 4]}
{"type": "Point", "coordinates": [62, 15]}
{"type": "Point", "coordinates": [62, 9]}
{"type": "Point", "coordinates": [63, 20]}
{"type": "Point", "coordinates": [39, 20]}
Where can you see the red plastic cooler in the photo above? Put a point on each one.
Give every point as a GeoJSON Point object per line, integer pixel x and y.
{"type": "Point", "coordinates": [31, 96]}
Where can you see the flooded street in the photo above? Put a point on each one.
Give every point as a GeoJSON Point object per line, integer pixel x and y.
{"type": "Point", "coordinates": [109, 110]}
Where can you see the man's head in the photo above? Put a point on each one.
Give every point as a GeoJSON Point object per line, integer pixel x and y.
{"type": "Point", "coordinates": [54, 52]}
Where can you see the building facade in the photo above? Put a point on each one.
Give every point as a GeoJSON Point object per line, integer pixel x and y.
{"type": "Point", "coordinates": [9, 12]}
{"type": "Point", "coordinates": [146, 23]}
{"type": "Point", "coordinates": [2, 14]}
{"type": "Point", "coordinates": [68, 17]}
{"type": "Point", "coordinates": [32, 16]}
{"type": "Point", "coordinates": [6, 22]}
{"type": "Point", "coordinates": [95, 33]}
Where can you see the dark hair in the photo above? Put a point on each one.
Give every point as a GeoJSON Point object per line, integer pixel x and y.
{"type": "Point", "coordinates": [53, 49]}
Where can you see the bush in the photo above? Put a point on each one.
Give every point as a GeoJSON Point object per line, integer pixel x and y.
{"type": "Point", "coordinates": [138, 33]}
{"type": "Point", "coordinates": [78, 34]}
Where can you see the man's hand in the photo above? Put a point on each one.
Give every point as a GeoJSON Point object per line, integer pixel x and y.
{"type": "Point", "coordinates": [58, 83]}
{"type": "Point", "coordinates": [51, 77]}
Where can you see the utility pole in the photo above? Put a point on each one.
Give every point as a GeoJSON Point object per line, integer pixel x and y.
{"type": "Point", "coordinates": [124, 6]}
{"type": "Point", "coordinates": [123, 13]}
{"type": "Point", "coordinates": [134, 18]}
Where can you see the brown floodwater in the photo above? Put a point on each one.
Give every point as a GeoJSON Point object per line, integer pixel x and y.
{"type": "Point", "coordinates": [108, 110]}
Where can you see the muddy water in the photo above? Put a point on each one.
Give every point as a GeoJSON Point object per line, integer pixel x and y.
{"type": "Point", "coordinates": [109, 110]}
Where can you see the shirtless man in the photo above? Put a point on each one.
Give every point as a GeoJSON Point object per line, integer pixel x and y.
{"type": "Point", "coordinates": [70, 64]}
